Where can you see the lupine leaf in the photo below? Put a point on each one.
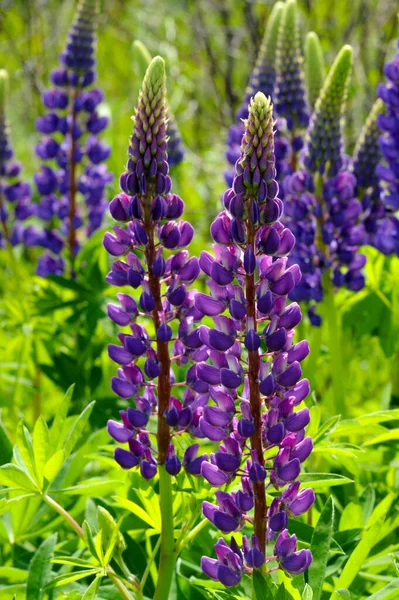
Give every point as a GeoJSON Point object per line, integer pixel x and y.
{"type": "Point", "coordinates": [13, 476]}
{"type": "Point", "coordinates": [359, 555]}
{"type": "Point", "coordinates": [321, 541]}
{"type": "Point", "coordinates": [88, 535]}
{"type": "Point", "coordinates": [13, 575]}
{"type": "Point", "coordinates": [59, 420]}
{"type": "Point", "coordinates": [136, 510]}
{"type": "Point", "coordinates": [93, 487]}
{"type": "Point", "coordinates": [5, 504]}
{"type": "Point", "coordinates": [91, 592]}
{"type": "Point", "coordinates": [25, 447]}
{"type": "Point", "coordinates": [322, 481]}
{"type": "Point", "coordinates": [69, 577]}
{"type": "Point", "coordinates": [282, 594]}
{"type": "Point", "coordinates": [53, 465]}
{"type": "Point", "coordinates": [77, 429]}
{"type": "Point", "coordinates": [387, 592]}
{"type": "Point", "coordinates": [307, 593]}
{"type": "Point", "coordinates": [261, 586]}
{"type": "Point", "coordinates": [327, 427]}
{"type": "Point", "coordinates": [40, 448]}
{"type": "Point", "coordinates": [40, 568]}
{"type": "Point", "coordinates": [5, 445]}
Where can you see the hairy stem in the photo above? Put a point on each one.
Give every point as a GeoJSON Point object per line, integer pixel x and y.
{"type": "Point", "coordinates": [256, 406]}
{"type": "Point", "coordinates": [168, 552]}
{"type": "Point", "coordinates": [164, 387]}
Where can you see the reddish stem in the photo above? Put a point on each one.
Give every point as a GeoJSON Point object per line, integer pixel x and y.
{"type": "Point", "coordinates": [256, 405]}
{"type": "Point", "coordinates": [164, 386]}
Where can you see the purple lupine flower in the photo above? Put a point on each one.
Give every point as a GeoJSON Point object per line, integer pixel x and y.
{"type": "Point", "coordinates": [72, 179]}
{"type": "Point", "coordinates": [262, 79]}
{"type": "Point", "coordinates": [149, 244]}
{"type": "Point", "coordinates": [322, 210]}
{"type": "Point", "coordinates": [386, 237]}
{"type": "Point", "coordinates": [290, 93]}
{"type": "Point", "coordinates": [251, 369]}
{"type": "Point", "coordinates": [15, 194]}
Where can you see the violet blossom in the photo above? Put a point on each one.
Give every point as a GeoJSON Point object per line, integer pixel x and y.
{"type": "Point", "coordinates": [251, 368]}
{"type": "Point", "coordinates": [149, 246]}
{"type": "Point", "coordinates": [72, 179]}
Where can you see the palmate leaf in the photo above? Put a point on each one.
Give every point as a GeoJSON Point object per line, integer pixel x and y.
{"type": "Point", "coordinates": [40, 568]}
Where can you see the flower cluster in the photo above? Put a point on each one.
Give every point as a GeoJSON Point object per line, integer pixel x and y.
{"type": "Point", "coordinates": [262, 79]}
{"type": "Point", "coordinates": [251, 360]}
{"type": "Point", "coordinates": [290, 93]}
{"type": "Point", "coordinates": [380, 225]}
{"type": "Point", "coordinates": [72, 189]}
{"type": "Point", "coordinates": [291, 106]}
{"type": "Point", "coordinates": [322, 209]}
{"type": "Point", "coordinates": [314, 67]}
{"type": "Point", "coordinates": [152, 243]}
{"type": "Point", "coordinates": [13, 191]}
{"type": "Point", "coordinates": [388, 169]}
{"type": "Point", "coordinates": [175, 142]}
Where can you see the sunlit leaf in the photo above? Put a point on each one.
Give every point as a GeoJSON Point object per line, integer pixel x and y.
{"type": "Point", "coordinates": [40, 568]}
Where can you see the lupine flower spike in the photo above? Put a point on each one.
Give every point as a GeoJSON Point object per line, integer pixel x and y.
{"type": "Point", "coordinates": [253, 359]}
{"type": "Point", "coordinates": [314, 67]}
{"type": "Point", "coordinates": [72, 180]}
{"type": "Point", "coordinates": [381, 225]}
{"type": "Point", "coordinates": [321, 206]}
{"type": "Point", "coordinates": [290, 93]}
{"type": "Point", "coordinates": [175, 142]}
{"type": "Point", "coordinates": [155, 262]}
{"type": "Point", "coordinates": [262, 79]}
{"type": "Point", "coordinates": [324, 144]}
{"type": "Point", "coordinates": [388, 169]}
{"type": "Point", "coordinates": [15, 198]}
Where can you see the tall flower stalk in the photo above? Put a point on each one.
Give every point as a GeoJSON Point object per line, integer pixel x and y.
{"type": "Point", "coordinates": [71, 189]}
{"type": "Point", "coordinates": [15, 196]}
{"type": "Point", "coordinates": [290, 93]}
{"type": "Point", "coordinates": [152, 244]}
{"type": "Point", "coordinates": [255, 362]}
{"type": "Point", "coordinates": [314, 67]}
{"type": "Point", "coordinates": [262, 79]}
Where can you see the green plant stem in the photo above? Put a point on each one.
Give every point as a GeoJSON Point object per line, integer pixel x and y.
{"type": "Point", "coordinates": [168, 551]}
{"type": "Point", "coordinates": [126, 595]}
{"type": "Point", "coordinates": [193, 533]}
{"type": "Point", "coordinates": [148, 567]}
{"type": "Point", "coordinates": [335, 346]}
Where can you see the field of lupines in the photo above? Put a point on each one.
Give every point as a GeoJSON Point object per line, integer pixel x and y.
{"type": "Point", "coordinates": [199, 241]}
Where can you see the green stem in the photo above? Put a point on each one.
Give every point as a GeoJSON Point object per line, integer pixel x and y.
{"type": "Point", "coordinates": [335, 346]}
{"type": "Point", "coordinates": [149, 563]}
{"type": "Point", "coordinates": [168, 552]}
